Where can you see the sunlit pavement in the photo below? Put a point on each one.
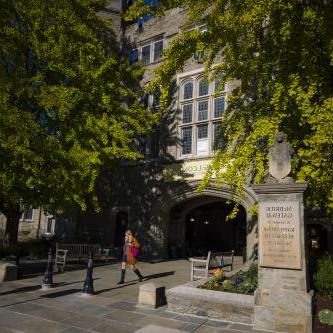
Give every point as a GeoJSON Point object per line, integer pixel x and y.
{"type": "Point", "coordinates": [24, 307]}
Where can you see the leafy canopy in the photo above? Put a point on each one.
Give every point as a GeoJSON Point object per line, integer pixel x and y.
{"type": "Point", "coordinates": [69, 104]}
{"type": "Point", "coordinates": [282, 52]}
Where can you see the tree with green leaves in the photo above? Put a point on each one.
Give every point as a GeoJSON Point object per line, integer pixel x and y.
{"type": "Point", "coordinates": [69, 106]}
{"type": "Point", "coordinates": [282, 54]}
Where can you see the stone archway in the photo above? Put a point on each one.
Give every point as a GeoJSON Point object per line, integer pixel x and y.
{"type": "Point", "coordinates": [216, 192]}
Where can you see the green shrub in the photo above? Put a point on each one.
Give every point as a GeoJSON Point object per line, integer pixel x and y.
{"type": "Point", "coordinates": [228, 285]}
{"type": "Point", "coordinates": [252, 273]}
{"type": "Point", "coordinates": [323, 279]}
{"type": "Point", "coordinates": [246, 287]}
{"type": "Point", "coordinates": [326, 316]}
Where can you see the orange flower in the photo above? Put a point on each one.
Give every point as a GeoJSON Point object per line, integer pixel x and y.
{"type": "Point", "coordinates": [218, 272]}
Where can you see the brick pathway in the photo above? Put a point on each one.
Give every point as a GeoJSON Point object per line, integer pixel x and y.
{"type": "Point", "coordinates": [26, 308]}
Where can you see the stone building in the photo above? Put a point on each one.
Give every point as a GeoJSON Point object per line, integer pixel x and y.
{"type": "Point", "coordinates": [157, 196]}
{"type": "Point", "coordinates": [36, 224]}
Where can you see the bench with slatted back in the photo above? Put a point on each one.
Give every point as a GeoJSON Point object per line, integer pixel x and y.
{"type": "Point", "coordinates": [74, 250]}
{"type": "Point", "coordinates": [201, 266]}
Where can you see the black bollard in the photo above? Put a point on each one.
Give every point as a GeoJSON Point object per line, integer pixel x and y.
{"type": "Point", "coordinates": [48, 277]}
{"type": "Point", "coordinates": [88, 287]}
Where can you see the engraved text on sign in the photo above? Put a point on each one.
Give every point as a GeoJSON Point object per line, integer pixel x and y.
{"type": "Point", "coordinates": [279, 233]}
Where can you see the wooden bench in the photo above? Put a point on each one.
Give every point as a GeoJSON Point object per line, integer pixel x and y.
{"type": "Point", "coordinates": [200, 267]}
{"type": "Point", "coordinates": [77, 251]}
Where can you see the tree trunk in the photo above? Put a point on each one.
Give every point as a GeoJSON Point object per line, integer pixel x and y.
{"type": "Point", "coordinates": [12, 224]}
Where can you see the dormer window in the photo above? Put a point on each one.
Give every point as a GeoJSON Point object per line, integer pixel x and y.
{"type": "Point", "coordinates": [151, 52]}
{"type": "Point", "coordinates": [145, 55]}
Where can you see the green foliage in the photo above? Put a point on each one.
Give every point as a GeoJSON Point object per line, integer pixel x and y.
{"type": "Point", "coordinates": [252, 273]}
{"type": "Point", "coordinates": [326, 316]}
{"type": "Point", "coordinates": [282, 53]}
{"type": "Point", "coordinates": [228, 285]}
{"type": "Point", "coordinates": [323, 279]}
{"type": "Point", "coordinates": [246, 287]}
{"type": "Point", "coordinates": [69, 104]}
{"type": "Point", "coordinates": [243, 282]}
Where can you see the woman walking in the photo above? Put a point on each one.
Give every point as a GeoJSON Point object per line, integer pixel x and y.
{"type": "Point", "coordinates": [130, 251]}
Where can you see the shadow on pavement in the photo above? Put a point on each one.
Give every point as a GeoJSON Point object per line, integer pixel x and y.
{"type": "Point", "coordinates": [132, 282]}
{"type": "Point", "coordinates": [37, 287]}
{"type": "Point", "coordinates": [114, 288]}
{"type": "Point", "coordinates": [33, 269]}
{"type": "Point", "coordinates": [158, 275]}
{"type": "Point", "coordinates": [61, 293]}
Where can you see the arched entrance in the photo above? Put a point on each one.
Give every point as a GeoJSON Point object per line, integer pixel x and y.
{"type": "Point", "coordinates": [198, 223]}
{"type": "Point", "coordinates": [207, 229]}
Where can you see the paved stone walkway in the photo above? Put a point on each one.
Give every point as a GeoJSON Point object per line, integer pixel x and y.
{"type": "Point", "coordinates": [24, 307]}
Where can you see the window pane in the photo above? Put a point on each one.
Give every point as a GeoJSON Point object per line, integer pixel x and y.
{"type": "Point", "coordinates": [28, 215]}
{"type": "Point", "coordinates": [187, 113]}
{"type": "Point", "coordinates": [203, 110]}
{"type": "Point", "coordinates": [202, 131]}
{"type": "Point", "coordinates": [203, 87]}
{"type": "Point", "coordinates": [202, 140]}
{"type": "Point", "coordinates": [218, 107]}
{"type": "Point", "coordinates": [217, 139]}
{"type": "Point", "coordinates": [146, 55]}
{"type": "Point", "coordinates": [158, 48]}
{"type": "Point", "coordinates": [186, 140]}
{"type": "Point", "coordinates": [188, 90]}
{"type": "Point", "coordinates": [49, 225]}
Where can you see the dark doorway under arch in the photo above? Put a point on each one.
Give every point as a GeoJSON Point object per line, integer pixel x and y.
{"type": "Point", "coordinates": [200, 225]}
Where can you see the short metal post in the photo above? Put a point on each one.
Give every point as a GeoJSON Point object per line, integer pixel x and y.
{"type": "Point", "coordinates": [88, 287]}
{"type": "Point", "coordinates": [48, 277]}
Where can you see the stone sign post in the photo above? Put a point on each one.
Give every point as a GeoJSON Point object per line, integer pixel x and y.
{"type": "Point", "coordinates": [282, 300]}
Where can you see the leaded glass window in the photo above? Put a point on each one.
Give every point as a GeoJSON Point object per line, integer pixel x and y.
{"type": "Point", "coordinates": [187, 113]}
{"type": "Point", "coordinates": [158, 49]}
{"type": "Point", "coordinates": [218, 107]}
{"type": "Point", "coordinates": [203, 87]}
{"type": "Point", "coordinates": [186, 140]}
{"type": "Point", "coordinates": [145, 57]}
{"type": "Point", "coordinates": [188, 90]}
{"type": "Point", "coordinates": [202, 110]}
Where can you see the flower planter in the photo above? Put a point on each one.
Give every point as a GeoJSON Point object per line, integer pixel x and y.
{"type": "Point", "coordinates": [187, 298]}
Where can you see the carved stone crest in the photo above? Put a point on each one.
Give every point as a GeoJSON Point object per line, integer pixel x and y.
{"type": "Point", "coordinates": [280, 158]}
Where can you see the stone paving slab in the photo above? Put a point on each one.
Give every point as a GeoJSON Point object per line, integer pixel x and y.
{"type": "Point", "coordinates": [155, 328]}
{"type": "Point", "coordinates": [25, 308]}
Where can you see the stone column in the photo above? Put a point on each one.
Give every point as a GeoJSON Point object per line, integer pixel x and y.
{"type": "Point", "coordinates": [282, 300]}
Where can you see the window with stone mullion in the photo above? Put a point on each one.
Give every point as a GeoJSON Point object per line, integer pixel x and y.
{"type": "Point", "coordinates": [145, 57]}
{"type": "Point", "coordinates": [217, 135]}
{"type": "Point", "coordinates": [186, 140]}
{"type": "Point", "coordinates": [187, 113]}
{"type": "Point", "coordinates": [202, 110]}
{"type": "Point", "coordinates": [158, 49]}
{"type": "Point", "coordinates": [188, 90]}
{"type": "Point", "coordinates": [219, 103]}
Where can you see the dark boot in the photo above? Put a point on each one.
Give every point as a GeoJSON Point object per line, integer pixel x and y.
{"type": "Point", "coordinates": [137, 272]}
{"type": "Point", "coordinates": [122, 277]}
